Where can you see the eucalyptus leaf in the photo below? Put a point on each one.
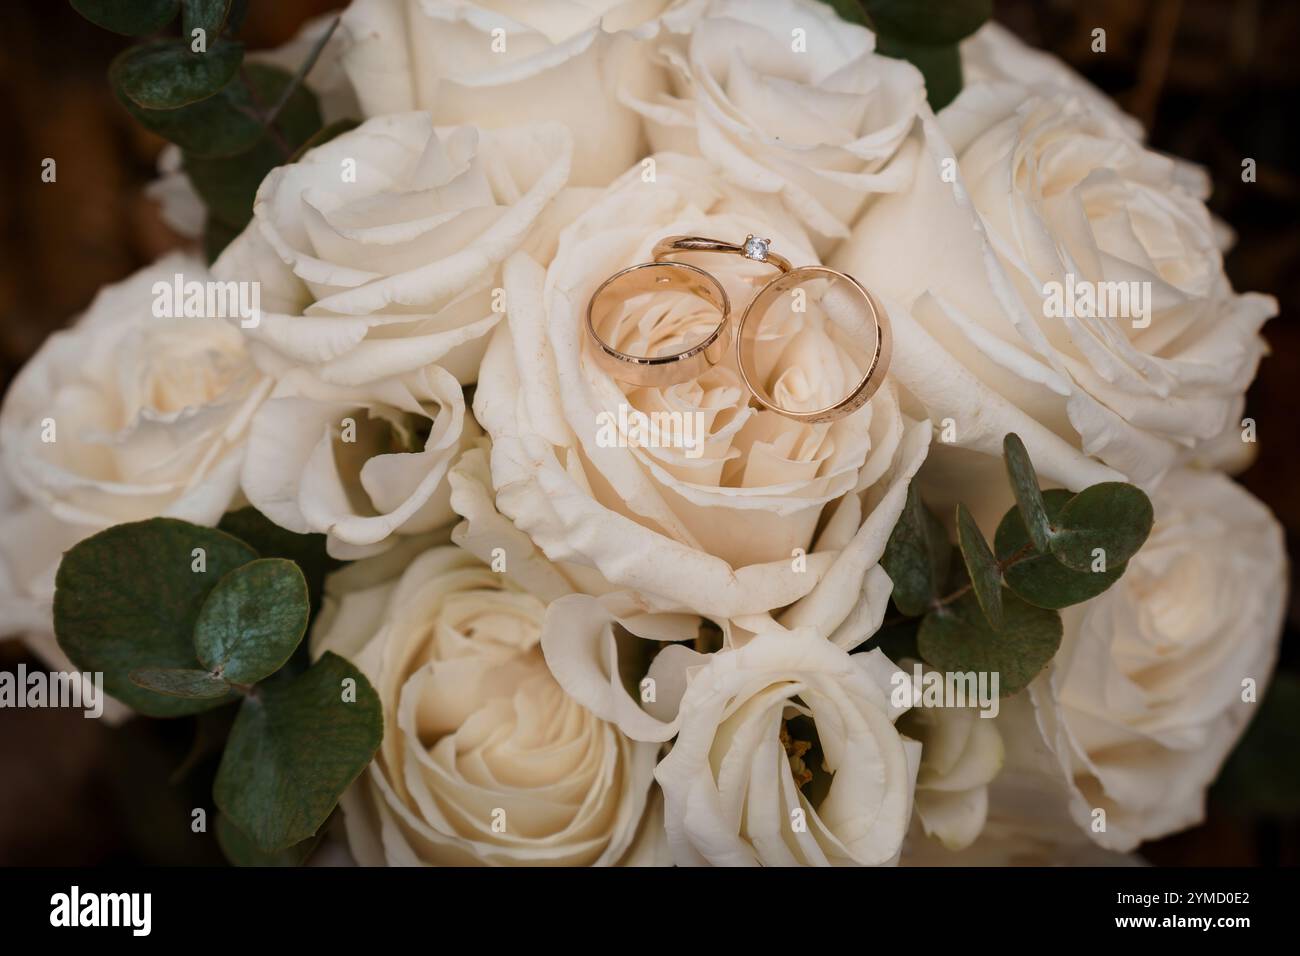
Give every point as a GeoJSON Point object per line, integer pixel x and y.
{"type": "Point", "coordinates": [185, 682]}
{"type": "Point", "coordinates": [957, 637]}
{"type": "Point", "coordinates": [207, 15]}
{"type": "Point", "coordinates": [242, 851]}
{"type": "Point", "coordinates": [928, 22]}
{"type": "Point", "coordinates": [324, 135]}
{"type": "Point", "coordinates": [128, 17]}
{"type": "Point", "coordinates": [985, 576]}
{"type": "Point", "coordinates": [916, 556]}
{"type": "Point", "coordinates": [271, 541]}
{"type": "Point", "coordinates": [228, 184]}
{"type": "Point", "coordinates": [295, 747]}
{"type": "Point", "coordinates": [252, 620]}
{"type": "Point", "coordinates": [1024, 484]}
{"type": "Point", "coordinates": [126, 599]}
{"type": "Point", "coordinates": [1109, 521]}
{"type": "Point", "coordinates": [232, 121]}
{"type": "Point", "coordinates": [1039, 578]}
{"type": "Point", "coordinates": [939, 65]}
{"type": "Point", "coordinates": [166, 75]}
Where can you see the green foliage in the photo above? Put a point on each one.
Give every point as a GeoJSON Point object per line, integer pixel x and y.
{"type": "Point", "coordinates": [210, 16]}
{"type": "Point", "coordinates": [165, 75]}
{"type": "Point", "coordinates": [985, 575]}
{"type": "Point", "coordinates": [240, 850]}
{"type": "Point", "coordinates": [928, 22]}
{"type": "Point", "coordinates": [1040, 578]}
{"type": "Point", "coordinates": [182, 619]}
{"type": "Point", "coordinates": [252, 621]}
{"type": "Point", "coordinates": [126, 599]}
{"type": "Point", "coordinates": [939, 65]}
{"type": "Point", "coordinates": [958, 637]}
{"type": "Point", "coordinates": [294, 749]}
{"type": "Point", "coordinates": [916, 557]}
{"type": "Point", "coordinates": [234, 121]}
{"type": "Point", "coordinates": [996, 609]}
{"type": "Point", "coordinates": [923, 32]}
{"type": "Point", "coordinates": [128, 17]}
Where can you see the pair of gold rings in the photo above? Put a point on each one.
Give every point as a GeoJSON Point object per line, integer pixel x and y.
{"type": "Point", "coordinates": [664, 274]}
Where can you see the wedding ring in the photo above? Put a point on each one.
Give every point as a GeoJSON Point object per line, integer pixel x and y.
{"type": "Point", "coordinates": [752, 248]}
{"type": "Point", "coordinates": [658, 370]}
{"type": "Point", "coordinates": [842, 327]}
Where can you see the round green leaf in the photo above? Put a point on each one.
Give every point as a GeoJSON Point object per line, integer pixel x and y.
{"type": "Point", "coordinates": [252, 620]}
{"type": "Point", "coordinates": [295, 747]}
{"type": "Point", "coordinates": [206, 15]}
{"type": "Point", "coordinates": [985, 577]}
{"type": "Point", "coordinates": [271, 541]}
{"type": "Point", "coordinates": [1024, 485]}
{"type": "Point", "coordinates": [929, 23]}
{"type": "Point", "coordinates": [958, 637]}
{"type": "Point", "coordinates": [916, 556]}
{"type": "Point", "coordinates": [182, 682]}
{"type": "Point", "coordinates": [231, 122]}
{"type": "Point", "coordinates": [241, 851]}
{"type": "Point", "coordinates": [1113, 517]}
{"type": "Point", "coordinates": [1041, 579]}
{"type": "Point", "coordinates": [128, 17]}
{"type": "Point", "coordinates": [165, 75]}
{"type": "Point", "coordinates": [126, 599]}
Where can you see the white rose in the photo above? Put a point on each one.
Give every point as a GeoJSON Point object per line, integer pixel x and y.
{"type": "Point", "coordinates": [466, 62]}
{"type": "Point", "coordinates": [378, 253]}
{"type": "Point", "coordinates": [770, 511]}
{"type": "Point", "coordinates": [786, 98]}
{"type": "Point", "coordinates": [359, 465]}
{"type": "Point", "coordinates": [485, 760]}
{"type": "Point", "coordinates": [787, 755]}
{"type": "Point", "coordinates": [1047, 189]}
{"type": "Point", "coordinates": [123, 417]}
{"type": "Point", "coordinates": [961, 753]}
{"type": "Point", "coordinates": [1144, 701]}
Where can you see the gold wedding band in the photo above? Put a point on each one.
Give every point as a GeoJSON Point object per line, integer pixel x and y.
{"type": "Point", "coordinates": [752, 248]}
{"type": "Point", "coordinates": [659, 370]}
{"type": "Point", "coordinates": [875, 360]}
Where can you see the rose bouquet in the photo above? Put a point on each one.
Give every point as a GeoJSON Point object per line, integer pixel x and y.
{"type": "Point", "coordinates": [506, 468]}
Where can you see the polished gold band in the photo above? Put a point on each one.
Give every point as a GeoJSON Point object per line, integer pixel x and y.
{"type": "Point", "coordinates": [659, 370]}
{"type": "Point", "coordinates": [752, 248]}
{"type": "Point", "coordinates": [876, 361]}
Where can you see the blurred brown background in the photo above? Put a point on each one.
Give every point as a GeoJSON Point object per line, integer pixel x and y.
{"type": "Point", "coordinates": [1213, 81]}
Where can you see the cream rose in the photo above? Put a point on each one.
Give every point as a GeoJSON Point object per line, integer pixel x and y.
{"type": "Point", "coordinates": [360, 465]}
{"type": "Point", "coordinates": [786, 98]}
{"type": "Point", "coordinates": [763, 511]}
{"type": "Point", "coordinates": [379, 252]}
{"type": "Point", "coordinates": [961, 753]}
{"type": "Point", "coordinates": [498, 64]}
{"type": "Point", "coordinates": [788, 755]}
{"type": "Point", "coordinates": [1156, 679]}
{"type": "Point", "coordinates": [125, 416]}
{"type": "Point", "coordinates": [1026, 199]}
{"type": "Point", "coordinates": [485, 760]}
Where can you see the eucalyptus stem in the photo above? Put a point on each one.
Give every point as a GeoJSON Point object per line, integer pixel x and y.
{"type": "Point", "coordinates": [1024, 552]}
